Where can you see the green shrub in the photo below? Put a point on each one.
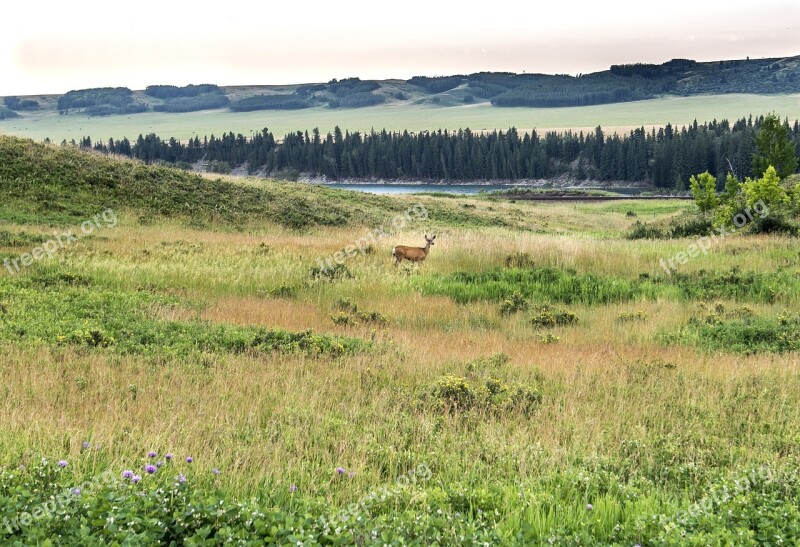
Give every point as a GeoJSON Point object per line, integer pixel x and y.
{"type": "Point", "coordinates": [337, 271]}
{"type": "Point", "coordinates": [548, 338]}
{"type": "Point", "coordinates": [548, 317]}
{"type": "Point", "coordinates": [628, 317]}
{"type": "Point", "coordinates": [513, 304]}
{"type": "Point", "coordinates": [484, 390]}
{"type": "Point", "coordinates": [642, 230]}
{"type": "Point", "coordinates": [349, 314]}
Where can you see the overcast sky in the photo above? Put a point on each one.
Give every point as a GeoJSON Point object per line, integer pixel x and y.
{"type": "Point", "coordinates": [52, 47]}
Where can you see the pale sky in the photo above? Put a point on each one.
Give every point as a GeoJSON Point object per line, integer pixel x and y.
{"type": "Point", "coordinates": [52, 47]}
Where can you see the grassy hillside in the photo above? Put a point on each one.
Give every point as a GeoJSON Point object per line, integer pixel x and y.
{"type": "Point", "coordinates": [538, 380]}
{"type": "Point", "coordinates": [69, 185]}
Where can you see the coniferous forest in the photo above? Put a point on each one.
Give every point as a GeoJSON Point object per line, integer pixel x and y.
{"type": "Point", "coordinates": [664, 158]}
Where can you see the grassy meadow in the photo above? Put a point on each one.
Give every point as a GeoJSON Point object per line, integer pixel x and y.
{"type": "Point", "coordinates": [539, 379]}
{"type": "Point", "coordinates": [403, 115]}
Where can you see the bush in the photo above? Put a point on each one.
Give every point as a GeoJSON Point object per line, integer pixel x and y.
{"type": "Point", "coordinates": [548, 317]}
{"type": "Point", "coordinates": [629, 317]}
{"type": "Point", "coordinates": [642, 230]}
{"type": "Point", "coordinates": [332, 273]}
{"type": "Point", "coordinates": [349, 314]}
{"type": "Point", "coordinates": [513, 304]}
{"type": "Point", "coordinates": [484, 389]}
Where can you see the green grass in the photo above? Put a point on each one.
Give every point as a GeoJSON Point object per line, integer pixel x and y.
{"type": "Point", "coordinates": [403, 116]}
{"type": "Point", "coordinates": [55, 308]}
{"type": "Point", "coordinates": [537, 284]}
{"type": "Point", "coordinates": [197, 327]}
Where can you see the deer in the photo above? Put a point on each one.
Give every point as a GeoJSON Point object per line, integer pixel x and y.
{"type": "Point", "coordinates": [412, 254]}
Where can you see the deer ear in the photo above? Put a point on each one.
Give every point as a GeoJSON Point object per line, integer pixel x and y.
{"type": "Point", "coordinates": [426, 236]}
{"type": "Point", "coordinates": [434, 236]}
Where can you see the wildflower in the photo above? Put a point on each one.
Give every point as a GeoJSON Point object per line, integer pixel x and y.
{"type": "Point", "coordinates": [76, 491]}
{"type": "Point", "coordinates": [85, 445]}
{"type": "Point", "coordinates": [127, 474]}
{"type": "Point", "coordinates": [215, 471]}
{"type": "Point", "coordinates": [293, 488]}
{"type": "Point", "coordinates": [351, 474]}
{"type": "Point", "coordinates": [62, 463]}
{"type": "Point", "coordinates": [159, 464]}
{"type": "Point", "coordinates": [151, 454]}
{"type": "Point", "coordinates": [340, 470]}
{"type": "Point", "coordinates": [589, 507]}
{"type": "Point", "coordinates": [189, 459]}
{"type": "Point", "coordinates": [136, 478]}
{"type": "Point", "coordinates": [168, 457]}
{"type": "Point", "coordinates": [181, 478]}
{"type": "Point", "coordinates": [150, 469]}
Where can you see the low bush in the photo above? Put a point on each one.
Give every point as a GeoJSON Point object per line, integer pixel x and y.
{"type": "Point", "coordinates": [548, 317]}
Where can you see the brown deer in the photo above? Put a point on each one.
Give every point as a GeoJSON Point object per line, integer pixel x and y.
{"type": "Point", "coordinates": [413, 254]}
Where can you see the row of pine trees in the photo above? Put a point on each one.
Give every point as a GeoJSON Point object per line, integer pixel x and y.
{"type": "Point", "coordinates": [664, 157]}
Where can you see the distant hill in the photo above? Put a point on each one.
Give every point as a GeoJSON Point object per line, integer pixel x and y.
{"type": "Point", "coordinates": [621, 83]}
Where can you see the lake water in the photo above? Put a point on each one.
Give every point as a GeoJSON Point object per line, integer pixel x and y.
{"type": "Point", "coordinates": [461, 189]}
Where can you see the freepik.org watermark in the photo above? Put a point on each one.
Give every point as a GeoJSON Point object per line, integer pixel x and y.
{"type": "Point", "coordinates": [705, 243]}
{"type": "Point", "coordinates": [413, 214]}
{"type": "Point", "coordinates": [106, 219]}
{"type": "Point", "coordinates": [48, 509]}
{"type": "Point", "coordinates": [421, 473]}
{"type": "Point", "coordinates": [717, 497]}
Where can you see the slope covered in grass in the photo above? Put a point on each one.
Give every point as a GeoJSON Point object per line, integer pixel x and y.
{"type": "Point", "coordinates": [42, 183]}
{"type": "Point", "coordinates": [55, 185]}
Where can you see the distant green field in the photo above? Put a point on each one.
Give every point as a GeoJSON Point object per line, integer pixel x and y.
{"type": "Point", "coordinates": [404, 115]}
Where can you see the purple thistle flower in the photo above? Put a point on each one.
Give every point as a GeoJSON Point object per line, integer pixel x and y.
{"type": "Point", "coordinates": [77, 491]}
{"type": "Point", "coordinates": [159, 464]}
{"type": "Point", "coordinates": [293, 488]}
{"type": "Point", "coordinates": [127, 474]}
{"type": "Point", "coordinates": [62, 463]}
{"type": "Point", "coordinates": [215, 471]}
{"type": "Point", "coordinates": [150, 469]}
{"type": "Point", "coordinates": [85, 445]}
{"type": "Point", "coordinates": [181, 478]}
{"type": "Point", "coordinates": [151, 454]}
{"type": "Point", "coordinates": [189, 459]}
{"type": "Point", "coordinates": [168, 457]}
{"type": "Point", "coordinates": [589, 507]}
{"type": "Point", "coordinates": [351, 474]}
{"type": "Point", "coordinates": [136, 478]}
{"type": "Point", "coordinates": [340, 470]}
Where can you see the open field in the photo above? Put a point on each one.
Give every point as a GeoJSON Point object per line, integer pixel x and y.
{"type": "Point", "coordinates": [538, 380]}
{"type": "Point", "coordinates": [399, 116]}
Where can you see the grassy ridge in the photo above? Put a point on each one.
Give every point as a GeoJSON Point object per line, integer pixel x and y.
{"type": "Point", "coordinates": [404, 116]}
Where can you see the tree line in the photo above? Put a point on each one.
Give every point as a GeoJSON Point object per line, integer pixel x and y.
{"type": "Point", "coordinates": [664, 157]}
